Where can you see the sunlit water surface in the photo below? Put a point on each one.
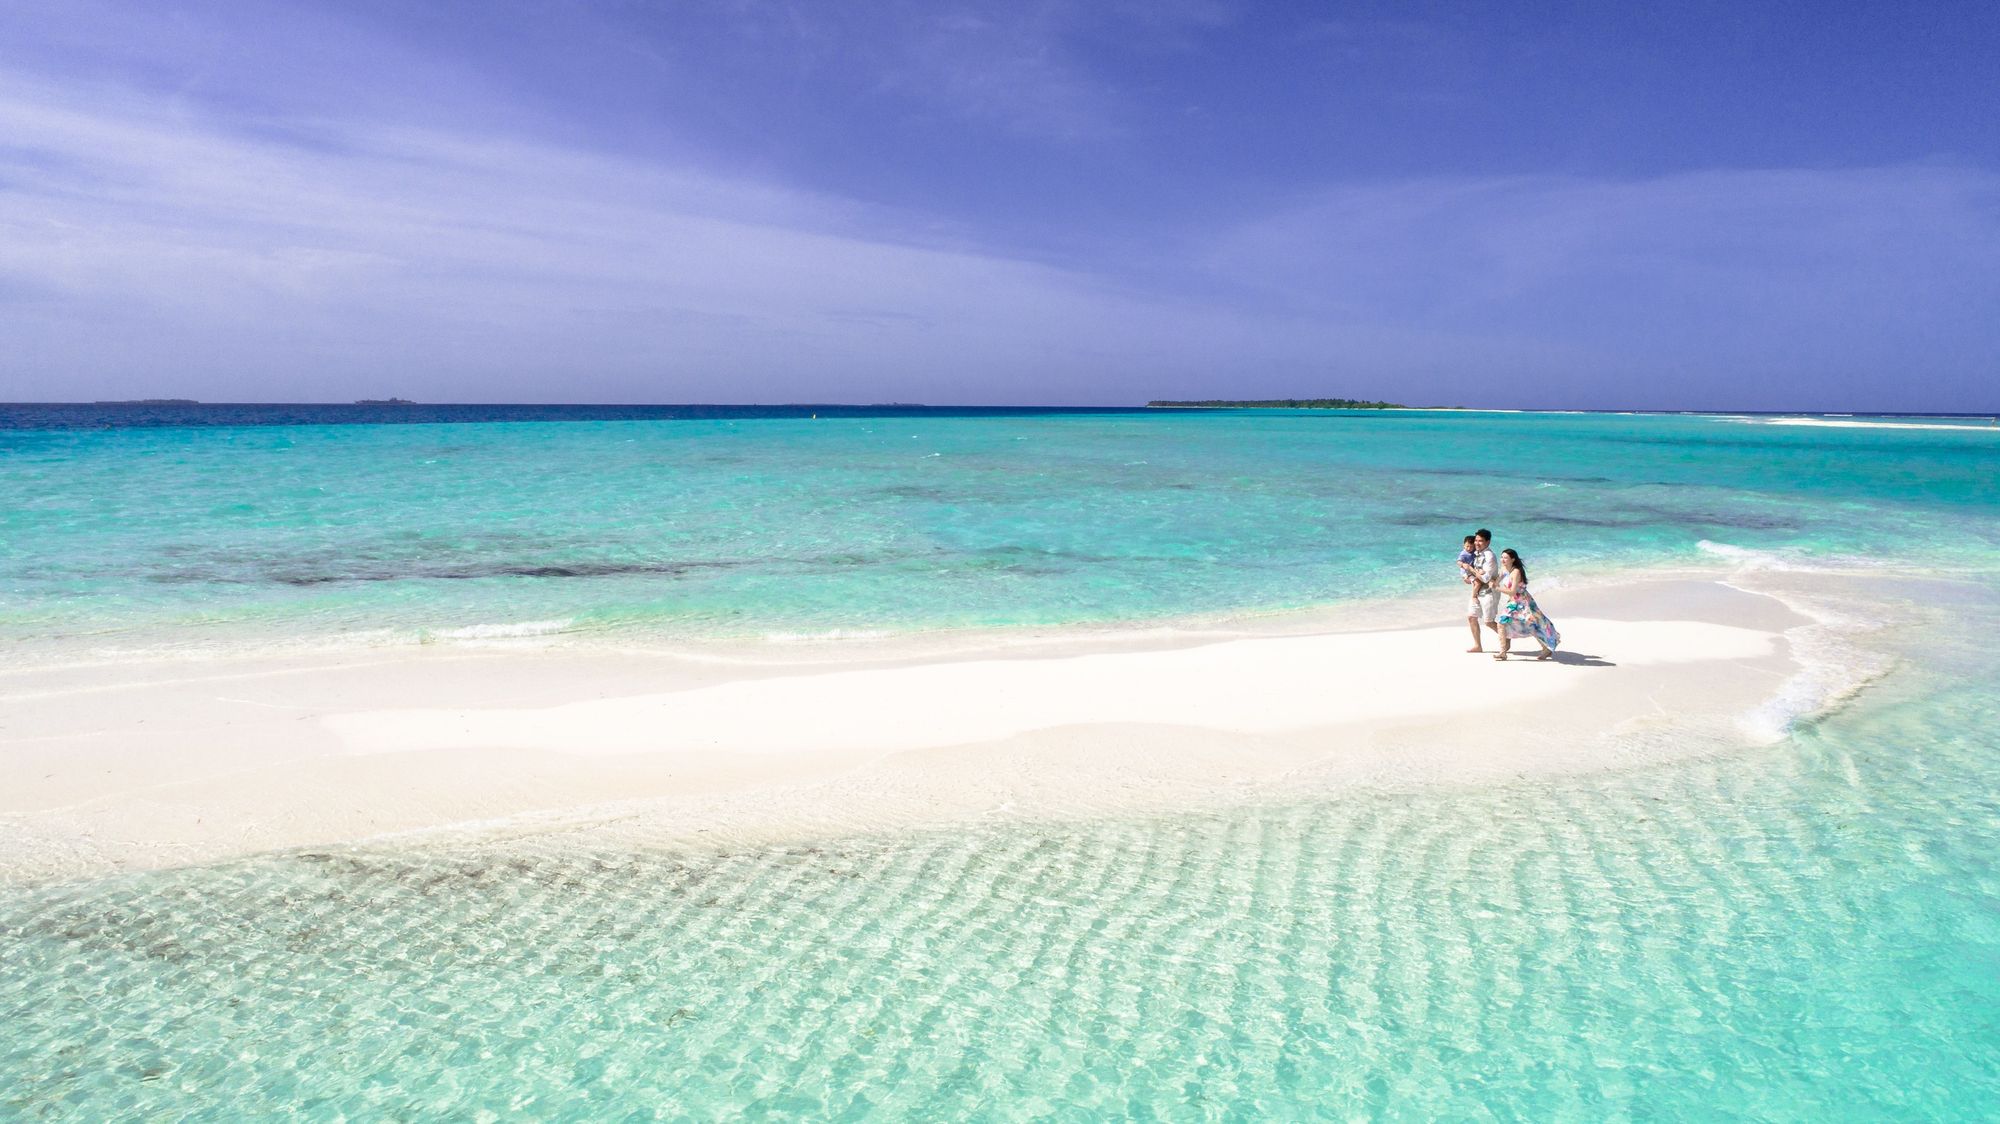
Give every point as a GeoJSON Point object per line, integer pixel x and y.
{"type": "Point", "coordinates": [1808, 930]}
{"type": "Point", "coordinates": [223, 537]}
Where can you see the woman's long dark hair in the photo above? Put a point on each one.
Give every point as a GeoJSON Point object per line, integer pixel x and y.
{"type": "Point", "coordinates": [1518, 564]}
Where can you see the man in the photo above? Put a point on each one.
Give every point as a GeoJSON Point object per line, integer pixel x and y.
{"type": "Point", "coordinates": [1485, 604]}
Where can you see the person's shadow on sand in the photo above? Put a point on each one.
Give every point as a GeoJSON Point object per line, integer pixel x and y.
{"type": "Point", "coordinates": [1582, 659]}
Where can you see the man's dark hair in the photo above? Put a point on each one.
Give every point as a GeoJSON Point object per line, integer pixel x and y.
{"type": "Point", "coordinates": [1483, 533]}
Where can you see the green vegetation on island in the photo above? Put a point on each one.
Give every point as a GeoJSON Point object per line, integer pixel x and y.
{"type": "Point", "coordinates": [1279, 404]}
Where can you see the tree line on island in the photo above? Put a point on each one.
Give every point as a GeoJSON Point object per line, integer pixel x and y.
{"type": "Point", "coordinates": [1278, 404]}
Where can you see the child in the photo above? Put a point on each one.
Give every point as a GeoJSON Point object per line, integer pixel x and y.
{"type": "Point", "coordinates": [1465, 557]}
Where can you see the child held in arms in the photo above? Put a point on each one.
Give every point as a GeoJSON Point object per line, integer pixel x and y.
{"type": "Point", "coordinates": [1466, 554]}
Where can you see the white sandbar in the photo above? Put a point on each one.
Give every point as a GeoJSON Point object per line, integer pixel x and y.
{"type": "Point", "coordinates": [1265, 685]}
{"type": "Point", "coordinates": [137, 765]}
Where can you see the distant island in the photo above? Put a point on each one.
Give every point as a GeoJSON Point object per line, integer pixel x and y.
{"type": "Point", "coordinates": [146, 402]}
{"type": "Point", "coordinates": [383, 402]}
{"type": "Point", "coordinates": [1278, 404]}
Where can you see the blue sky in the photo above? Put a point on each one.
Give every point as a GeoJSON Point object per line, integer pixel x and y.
{"type": "Point", "coordinates": [1734, 206]}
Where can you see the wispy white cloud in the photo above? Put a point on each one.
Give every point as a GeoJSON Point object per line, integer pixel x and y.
{"type": "Point", "coordinates": [1010, 68]}
{"type": "Point", "coordinates": [148, 252]}
{"type": "Point", "coordinates": [153, 241]}
{"type": "Point", "coordinates": [1020, 68]}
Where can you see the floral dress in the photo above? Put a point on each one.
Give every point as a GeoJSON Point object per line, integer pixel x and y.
{"type": "Point", "coordinates": [1522, 618]}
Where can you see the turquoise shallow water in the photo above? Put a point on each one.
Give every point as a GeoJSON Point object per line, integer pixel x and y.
{"type": "Point", "coordinates": [1808, 930]}
{"type": "Point", "coordinates": [216, 537]}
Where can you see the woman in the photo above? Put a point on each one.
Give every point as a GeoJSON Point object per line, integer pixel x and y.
{"type": "Point", "coordinates": [1521, 616]}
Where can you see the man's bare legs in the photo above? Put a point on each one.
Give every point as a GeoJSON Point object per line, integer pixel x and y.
{"type": "Point", "coordinates": [1478, 645]}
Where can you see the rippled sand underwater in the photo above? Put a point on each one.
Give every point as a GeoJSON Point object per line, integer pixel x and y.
{"type": "Point", "coordinates": [1810, 931]}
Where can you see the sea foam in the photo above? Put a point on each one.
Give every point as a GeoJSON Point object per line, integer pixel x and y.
{"type": "Point", "coordinates": [516, 630]}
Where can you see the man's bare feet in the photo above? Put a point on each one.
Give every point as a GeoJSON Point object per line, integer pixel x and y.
{"type": "Point", "coordinates": [1475, 649]}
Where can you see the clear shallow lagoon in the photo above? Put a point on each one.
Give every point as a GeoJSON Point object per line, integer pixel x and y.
{"type": "Point", "coordinates": [146, 536]}
{"type": "Point", "coordinates": [1805, 932]}
{"type": "Point", "coordinates": [1808, 930]}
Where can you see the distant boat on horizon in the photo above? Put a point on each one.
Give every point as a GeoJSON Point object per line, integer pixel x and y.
{"type": "Point", "coordinates": [383, 402]}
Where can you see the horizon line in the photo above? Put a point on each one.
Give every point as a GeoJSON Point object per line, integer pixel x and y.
{"type": "Point", "coordinates": [1133, 406]}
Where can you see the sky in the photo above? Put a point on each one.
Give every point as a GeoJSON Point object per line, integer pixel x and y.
{"type": "Point", "coordinates": [1745, 205]}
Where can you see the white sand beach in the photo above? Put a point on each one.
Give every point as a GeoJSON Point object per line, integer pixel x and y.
{"type": "Point", "coordinates": [1966, 424]}
{"type": "Point", "coordinates": [125, 766]}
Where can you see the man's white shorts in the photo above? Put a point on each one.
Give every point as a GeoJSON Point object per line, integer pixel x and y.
{"type": "Point", "coordinates": [1484, 606]}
